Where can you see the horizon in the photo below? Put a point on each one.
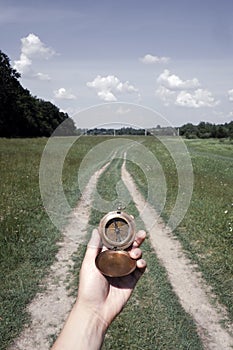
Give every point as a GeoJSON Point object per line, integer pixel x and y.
{"type": "Point", "coordinates": [175, 58]}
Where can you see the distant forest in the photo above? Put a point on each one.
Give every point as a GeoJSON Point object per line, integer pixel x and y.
{"type": "Point", "coordinates": [22, 115]}
{"type": "Point", "coordinates": [207, 130]}
{"type": "Point", "coordinates": [202, 130]}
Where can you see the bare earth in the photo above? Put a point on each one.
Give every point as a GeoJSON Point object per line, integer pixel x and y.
{"type": "Point", "coordinates": [49, 309]}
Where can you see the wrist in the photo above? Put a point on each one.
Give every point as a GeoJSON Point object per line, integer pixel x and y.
{"type": "Point", "coordinates": [93, 327]}
{"type": "Point", "coordinates": [85, 311]}
{"type": "Point", "coordinates": [84, 329]}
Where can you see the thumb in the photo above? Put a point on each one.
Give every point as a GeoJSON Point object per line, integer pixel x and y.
{"type": "Point", "coordinates": [94, 246]}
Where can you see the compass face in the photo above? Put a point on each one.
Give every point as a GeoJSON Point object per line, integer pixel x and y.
{"type": "Point", "coordinates": [117, 230]}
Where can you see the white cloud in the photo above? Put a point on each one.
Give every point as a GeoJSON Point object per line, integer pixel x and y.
{"type": "Point", "coordinates": [126, 87]}
{"type": "Point", "coordinates": [149, 59]}
{"type": "Point", "coordinates": [64, 94]}
{"type": "Point", "coordinates": [199, 98]}
{"type": "Point", "coordinates": [32, 48]}
{"type": "Point", "coordinates": [185, 93]}
{"type": "Point", "coordinates": [173, 82]}
{"type": "Point", "coordinates": [166, 95]}
{"type": "Point", "coordinates": [230, 95]}
{"type": "Point", "coordinates": [122, 110]}
{"type": "Point", "coordinates": [42, 76]}
{"type": "Point", "coordinates": [23, 65]}
{"type": "Point", "coordinates": [108, 87]}
{"type": "Point", "coordinates": [106, 96]}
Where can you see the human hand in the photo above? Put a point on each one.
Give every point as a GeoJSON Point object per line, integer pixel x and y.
{"type": "Point", "coordinates": [100, 299]}
{"type": "Point", "coordinates": [106, 296]}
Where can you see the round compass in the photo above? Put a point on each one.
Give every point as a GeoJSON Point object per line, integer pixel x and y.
{"type": "Point", "coordinates": [117, 230]}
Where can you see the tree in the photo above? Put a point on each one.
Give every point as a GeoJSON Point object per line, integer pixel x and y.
{"type": "Point", "coordinates": [22, 115]}
{"type": "Point", "coordinates": [188, 130]}
{"type": "Point", "coordinates": [221, 132]}
{"type": "Point", "coordinates": [207, 130]}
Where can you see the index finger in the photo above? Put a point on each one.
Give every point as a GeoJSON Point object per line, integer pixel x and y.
{"type": "Point", "coordinates": [139, 239]}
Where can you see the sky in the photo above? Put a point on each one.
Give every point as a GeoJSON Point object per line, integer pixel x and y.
{"type": "Point", "coordinates": [172, 56]}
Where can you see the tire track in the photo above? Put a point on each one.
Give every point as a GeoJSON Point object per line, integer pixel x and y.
{"type": "Point", "coordinates": [186, 282]}
{"type": "Point", "coordinates": [49, 309]}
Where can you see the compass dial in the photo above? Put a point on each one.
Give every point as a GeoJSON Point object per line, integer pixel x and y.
{"type": "Point", "coordinates": [117, 230]}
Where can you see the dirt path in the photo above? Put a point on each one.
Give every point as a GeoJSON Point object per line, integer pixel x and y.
{"type": "Point", "coordinates": [46, 310]}
{"type": "Point", "coordinates": [186, 282]}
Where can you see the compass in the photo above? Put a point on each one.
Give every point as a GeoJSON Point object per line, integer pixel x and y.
{"type": "Point", "coordinates": [117, 231]}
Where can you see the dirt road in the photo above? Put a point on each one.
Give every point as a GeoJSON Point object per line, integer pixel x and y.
{"type": "Point", "coordinates": [193, 294]}
{"type": "Point", "coordinates": [48, 312]}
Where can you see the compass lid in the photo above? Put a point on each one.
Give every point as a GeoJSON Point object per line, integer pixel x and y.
{"type": "Point", "coordinates": [115, 263]}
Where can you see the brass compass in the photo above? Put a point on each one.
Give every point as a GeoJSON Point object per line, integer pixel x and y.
{"type": "Point", "coordinates": [117, 230]}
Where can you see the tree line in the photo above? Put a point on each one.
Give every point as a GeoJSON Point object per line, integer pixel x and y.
{"type": "Point", "coordinates": [21, 114]}
{"type": "Point", "coordinates": [116, 132]}
{"type": "Point", "coordinates": [207, 130]}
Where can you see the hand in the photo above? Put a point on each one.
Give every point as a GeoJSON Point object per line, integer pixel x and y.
{"type": "Point", "coordinates": [100, 299]}
{"type": "Point", "coordinates": [106, 296]}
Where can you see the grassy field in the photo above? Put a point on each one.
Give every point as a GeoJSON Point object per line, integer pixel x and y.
{"type": "Point", "coordinates": [153, 319]}
{"type": "Point", "coordinates": [27, 238]}
{"type": "Point", "coordinates": [206, 232]}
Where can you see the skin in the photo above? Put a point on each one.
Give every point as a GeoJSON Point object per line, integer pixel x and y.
{"type": "Point", "coordinates": [100, 299]}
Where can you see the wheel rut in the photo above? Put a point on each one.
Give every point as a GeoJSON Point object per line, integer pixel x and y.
{"type": "Point", "coordinates": [193, 293]}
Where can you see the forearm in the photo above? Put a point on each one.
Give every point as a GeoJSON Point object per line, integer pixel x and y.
{"type": "Point", "coordinates": [83, 330]}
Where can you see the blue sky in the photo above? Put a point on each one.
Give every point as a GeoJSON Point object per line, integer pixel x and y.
{"type": "Point", "coordinates": [175, 57]}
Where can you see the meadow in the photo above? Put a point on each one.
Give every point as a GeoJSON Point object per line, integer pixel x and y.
{"type": "Point", "coordinates": [206, 232]}
{"type": "Point", "coordinates": [28, 238]}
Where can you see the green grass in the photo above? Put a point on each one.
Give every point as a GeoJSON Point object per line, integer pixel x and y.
{"type": "Point", "coordinates": [206, 231]}
{"type": "Point", "coordinates": [27, 236]}
{"type": "Point", "coordinates": [153, 318]}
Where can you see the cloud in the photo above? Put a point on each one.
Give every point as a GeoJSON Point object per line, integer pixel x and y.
{"type": "Point", "coordinates": [149, 59]}
{"type": "Point", "coordinates": [23, 65]}
{"type": "Point", "coordinates": [230, 95]}
{"type": "Point", "coordinates": [185, 93]}
{"type": "Point", "coordinates": [199, 98]}
{"type": "Point", "coordinates": [166, 95]}
{"type": "Point", "coordinates": [64, 94]}
{"type": "Point", "coordinates": [173, 82]}
{"type": "Point", "coordinates": [108, 87]}
{"type": "Point", "coordinates": [32, 48]}
{"type": "Point", "coordinates": [121, 110]}
{"type": "Point", "coordinates": [42, 76]}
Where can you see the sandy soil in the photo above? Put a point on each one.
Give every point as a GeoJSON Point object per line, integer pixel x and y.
{"type": "Point", "coordinates": [48, 312]}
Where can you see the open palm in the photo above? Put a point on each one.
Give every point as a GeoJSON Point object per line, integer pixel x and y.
{"type": "Point", "coordinates": [106, 296]}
